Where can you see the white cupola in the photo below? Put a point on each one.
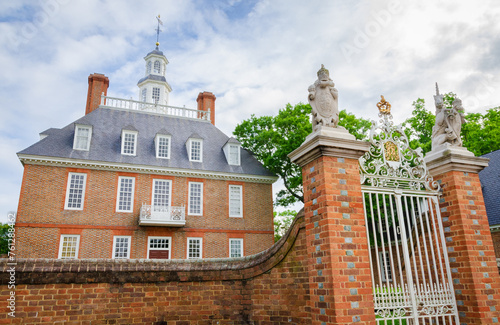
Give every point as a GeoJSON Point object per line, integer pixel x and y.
{"type": "Point", "coordinates": [154, 88]}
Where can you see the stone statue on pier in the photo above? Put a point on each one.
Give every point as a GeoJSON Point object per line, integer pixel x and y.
{"type": "Point", "coordinates": [323, 97]}
{"type": "Point", "coordinates": [448, 122]}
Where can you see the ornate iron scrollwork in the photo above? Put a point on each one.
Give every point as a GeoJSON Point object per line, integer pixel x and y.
{"type": "Point", "coordinates": [391, 162]}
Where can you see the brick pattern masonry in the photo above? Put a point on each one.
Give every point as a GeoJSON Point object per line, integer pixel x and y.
{"type": "Point", "coordinates": [268, 288]}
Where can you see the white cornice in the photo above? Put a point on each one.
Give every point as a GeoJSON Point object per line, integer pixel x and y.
{"type": "Point", "coordinates": [143, 169]}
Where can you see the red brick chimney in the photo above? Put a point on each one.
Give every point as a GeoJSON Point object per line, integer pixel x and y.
{"type": "Point", "coordinates": [98, 84]}
{"type": "Point", "coordinates": [206, 101]}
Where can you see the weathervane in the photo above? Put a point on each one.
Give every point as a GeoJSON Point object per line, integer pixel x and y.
{"type": "Point", "coordinates": [158, 30]}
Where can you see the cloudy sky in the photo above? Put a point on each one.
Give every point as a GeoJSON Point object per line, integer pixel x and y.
{"type": "Point", "coordinates": [255, 56]}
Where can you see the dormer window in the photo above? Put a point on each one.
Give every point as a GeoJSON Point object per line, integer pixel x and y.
{"type": "Point", "coordinates": [129, 142]}
{"type": "Point", "coordinates": [83, 134]}
{"type": "Point", "coordinates": [148, 69]}
{"type": "Point", "coordinates": [232, 152]}
{"type": "Point", "coordinates": [157, 67]}
{"type": "Point", "coordinates": [162, 143]}
{"type": "Point", "coordinates": [195, 148]}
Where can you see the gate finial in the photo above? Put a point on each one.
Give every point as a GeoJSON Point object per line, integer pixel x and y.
{"type": "Point", "coordinates": [383, 106]}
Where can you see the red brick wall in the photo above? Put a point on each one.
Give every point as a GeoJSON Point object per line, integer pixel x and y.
{"type": "Point", "coordinates": [470, 247]}
{"type": "Point", "coordinates": [495, 236]}
{"type": "Point", "coordinates": [339, 264]}
{"type": "Point", "coordinates": [42, 218]}
{"type": "Point", "coordinates": [267, 288]}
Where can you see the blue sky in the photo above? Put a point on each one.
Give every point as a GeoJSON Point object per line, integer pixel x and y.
{"type": "Point", "coordinates": [256, 56]}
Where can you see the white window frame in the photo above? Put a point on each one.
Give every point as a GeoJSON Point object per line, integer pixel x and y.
{"type": "Point", "coordinates": [200, 239]}
{"type": "Point", "coordinates": [153, 194]}
{"type": "Point", "coordinates": [240, 240]}
{"type": "Point", "coordinates": [156, 91]}
{"type": "Point", "coordinates": [119, 191]}
{"type": "Point", "coordinates": [134, 134]}
{"type": "Point", "coordinates": [158, 138]}
{"type": "Point", "coordinates": [191, 151]}
{"type": "Point", "coordinates": [76, 137]}
{"type": "Point", "coordinates": [144, 95]}
{"type": "Point", "coordinates": [162, 249]}
{"type": "Point", "coordinates": [234, 160]}
{"type": "Point", "coordinates": [61, 242]}
{"type": "Point", "coordinates": [157, 67]}
{"type": "Point", "coordinates": [382, 266]}
{"type": "Point", "coordinates": [129, 242]}
{"type": "Point", "coordinates": [191, 213]}
{"type": "Point", "coordinates": [69, 189]}
{"type": "Point", "coordinates": [231, 201]}
{"type": "Point", "coordinates": [149, 67]}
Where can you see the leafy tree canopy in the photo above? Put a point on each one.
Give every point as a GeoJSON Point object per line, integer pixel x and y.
{"type": "Point", "coordinates": [480, 133]}
{"type": "Point", "coordinates": [282, 222]}
{"type": "Point", "coordinates": [272, 138]}
{"type": "Point", "coordinates": [4, 239]}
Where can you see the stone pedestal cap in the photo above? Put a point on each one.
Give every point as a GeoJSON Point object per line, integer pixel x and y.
{"type": "Point", "coordinates": [446, 158]}
{"type": "Point", "coordinates": [328, 141]}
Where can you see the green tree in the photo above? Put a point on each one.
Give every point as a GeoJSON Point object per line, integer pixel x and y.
{"type": "Point", "coordinates": [480, 133]}
{"type": "Point", "coordinates": [272, 138]}
{"type": "Point", "coordinates": [282, 221]}
{"type": "Point", "coordinates": [418, 127]}
{"type": "Point", "coordinates": [4, 239]}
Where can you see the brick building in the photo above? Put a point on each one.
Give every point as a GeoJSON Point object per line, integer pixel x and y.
{"type": "Point", "coordinates": [490, 185]}
{"type": "Point", "coordinates": [142, 180]}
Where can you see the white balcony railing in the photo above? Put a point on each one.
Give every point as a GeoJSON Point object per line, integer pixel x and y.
{"type": "Point", "coordinates": [134, 105]}
{"type": "Point", "coordinates": [168, 216]}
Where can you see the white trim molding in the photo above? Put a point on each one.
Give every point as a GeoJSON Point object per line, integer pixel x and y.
{"type": "Point", "coordinates": [143, 169]}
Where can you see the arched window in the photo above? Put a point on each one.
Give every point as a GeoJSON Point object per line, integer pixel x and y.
{"type": "Point", "coordinates": [149, 67]}
{"type": "Point", "coordinates": [157, 67]}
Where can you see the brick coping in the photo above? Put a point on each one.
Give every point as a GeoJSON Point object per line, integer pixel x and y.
{"type": "Point", "coordinates": [47, 271]}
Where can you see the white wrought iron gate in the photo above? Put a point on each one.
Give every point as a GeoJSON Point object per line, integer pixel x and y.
{"type": "Point", "coordinates": [411, 276]}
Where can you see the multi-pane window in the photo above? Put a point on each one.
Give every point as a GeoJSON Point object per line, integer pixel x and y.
{"type": "Point", "coordinates": [161, 192]}
{"type": "Point", "coordinates": [68, 247]}
{"type": "Point", "coordinates": [194, 248]}
{"type": "Point", "coordinates": [195, 150]}
{"type": "Point", "coordinates": [144, 94]}
{"type": "Point", "coordinates": [75, 191]}
{"type": "Point", "coordinates": [162, 146]}
{"type": "Point", "coordinates": [157, 67]}
{"type": "Point", "coordinates": [159, 247]}
{"type": "Point", "coordinates": [125, 196]}
{"type": "Point", "coordinates": [149, 67]}
{"type": "Point", "coordinates": [235, 201]}
{"type": "Point", "coordinates": [385, 265]}
{"type": "Point", "coordinates": [156, 95]}
{"type": "Point", "coordinates": [234, 154]}
{"type": "Point", "coordinates": [121, 247]}
{"type": "Point", "coordinates": [82, 137]}
{"type": "Point", "coordinates": [129, 142]}
{"type": "Point", "coordinates": [235, 247]}
{"type": "Point", "coordinates": [195, 204]}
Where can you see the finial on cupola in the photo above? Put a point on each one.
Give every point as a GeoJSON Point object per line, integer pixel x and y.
{"type": "Point", "coordinates": [158, 30]}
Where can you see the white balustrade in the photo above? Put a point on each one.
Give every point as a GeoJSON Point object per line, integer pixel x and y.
{"type": "Point", "coordinates": [173, 216]}
{"type": "Point", "coordinates": [134, 105]}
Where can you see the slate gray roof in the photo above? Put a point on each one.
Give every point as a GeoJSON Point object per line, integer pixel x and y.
{"type": "Point", "coordinates": [490, 183]}
{"type": "Point", "coordinates": [105, 145]}
{"type": "Point", "coordinates": [155, 51]}
{"type": "Point", "coordinates": [153, 77]}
